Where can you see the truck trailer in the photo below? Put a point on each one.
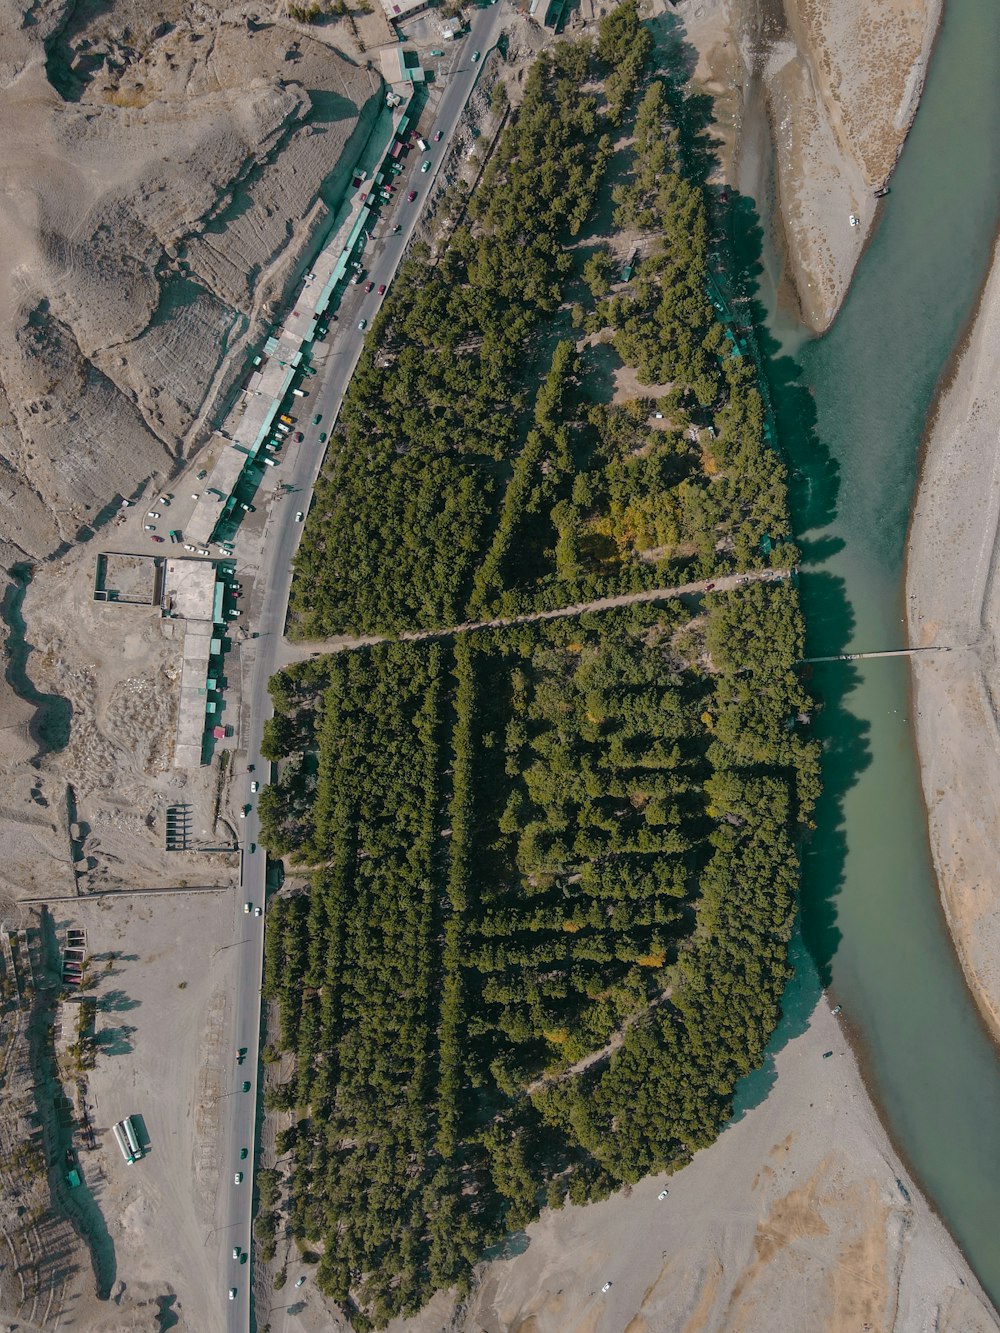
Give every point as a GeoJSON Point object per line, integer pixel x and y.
{"type": "Point", "coordinates": [123, 1143]}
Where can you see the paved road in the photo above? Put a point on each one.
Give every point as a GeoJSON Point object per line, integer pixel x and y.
{"type": "Point", "coordinates": [272, 585]}
{"type": "Point", "coordinates": [346, 643]}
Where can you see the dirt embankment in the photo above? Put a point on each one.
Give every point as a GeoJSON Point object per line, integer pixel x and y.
{"type": "Point", "coordinates": [814, 102]}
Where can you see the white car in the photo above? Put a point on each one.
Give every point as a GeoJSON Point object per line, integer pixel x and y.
{"type": "Point", "coordinates": [188, 548]}
{"type": "Point", "coordinates": [243, 814]}
{"type": "Point", "coordinates": [606, 1287]}
{"type": "Point", "coordinates": [299, 516]}
{"type": "Point", "coordinates": [247, 908]}
{"type": "Point", "coordinates": [663, 1194]}
{"type": "Point", "coordinates": [255, 785]}
{"type": "Point", "coordinates": [152, 514]}
{"type": "Point", "coordinates": [232, 1293]}
{"type": "Point", "coordinates": [256, 911]}
{"type": "Point", "coordinates": [149, 527]}
{"type": "Point", "coordinates": [236, 1251]}
{"type": "Point", "coordinates": [301, 1280]}
{"type": "Point", "coordinates": [238, 1178]}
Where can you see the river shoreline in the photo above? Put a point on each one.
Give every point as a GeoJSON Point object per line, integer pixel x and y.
{"type": "Point", "coordinates": [952, 597]}
{"type": "Point", "coordinates": [801, 1205]}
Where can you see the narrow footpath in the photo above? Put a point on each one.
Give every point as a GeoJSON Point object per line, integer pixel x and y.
{"type": "Point", "coordinates": [346, 643]}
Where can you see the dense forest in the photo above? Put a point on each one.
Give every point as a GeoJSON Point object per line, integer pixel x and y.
{"type": "Point", "coordinates": [480, 463]}
{"type": "Point", "coordinates": [551, 868]}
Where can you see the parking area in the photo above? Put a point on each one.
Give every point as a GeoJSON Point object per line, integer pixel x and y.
{"type": "Point", "coordinates": [161, 973]}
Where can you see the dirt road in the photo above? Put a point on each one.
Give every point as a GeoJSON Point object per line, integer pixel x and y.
{"type": "Point", "coordinates": [347, 643]}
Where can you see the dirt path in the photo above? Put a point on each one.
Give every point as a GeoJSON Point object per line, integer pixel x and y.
{"type": "Point", "coordinates": [605, 1052]}
{"type": "Point", "coordinates": [346, 643]}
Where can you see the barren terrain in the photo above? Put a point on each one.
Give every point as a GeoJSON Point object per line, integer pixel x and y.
{"type": "Point", "coordinates": [162, 174]}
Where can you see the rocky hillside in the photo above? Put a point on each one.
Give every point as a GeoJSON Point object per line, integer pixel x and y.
{"type": "Point", "coordinates": [162, 170]}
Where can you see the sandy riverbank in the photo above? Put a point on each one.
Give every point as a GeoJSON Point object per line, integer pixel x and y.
{"type": "Point", "coordinates": [813, 104]}
{"type": "Point", "coordinates": [801, 1216]}
{"type": "Point", "coordinates": [953, 599]}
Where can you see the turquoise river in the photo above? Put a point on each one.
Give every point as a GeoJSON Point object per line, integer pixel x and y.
{"type": "Point", "coordinates": [871, 914]}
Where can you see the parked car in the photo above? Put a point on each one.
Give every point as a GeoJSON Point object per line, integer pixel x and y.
{"type": "Point", "coordinates": [149, 527]}
{"type": "Point", "coordinates": [298, 437]}
{"type": "Point", "coordinates": [152, 514]}
{"type": "Point", "coordinates": [663, 1194]}
{"type": "Point", "coordinates": [301, 1280]}
{"type": "Point", "coordinates": [156, 539]}
{"type": "Point", "coordinates": [606, 1287]}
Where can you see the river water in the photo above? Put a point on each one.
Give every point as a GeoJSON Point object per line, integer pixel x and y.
{"type": "Point", "coordinates": [871, 914]}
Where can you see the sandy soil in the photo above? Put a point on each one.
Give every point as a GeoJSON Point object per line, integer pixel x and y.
{"type": "Point", "coordinates": [953, 599]}
{"type": "Point", "coordinates": [800, 1217]}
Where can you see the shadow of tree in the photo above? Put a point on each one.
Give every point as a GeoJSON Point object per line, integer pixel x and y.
{"type": "Point", "coordinates": [116, 1002]}
{"type": "Point", "coordinates": [813, 491]}
{"type": "Point", "coordinates": [115, 1041]}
